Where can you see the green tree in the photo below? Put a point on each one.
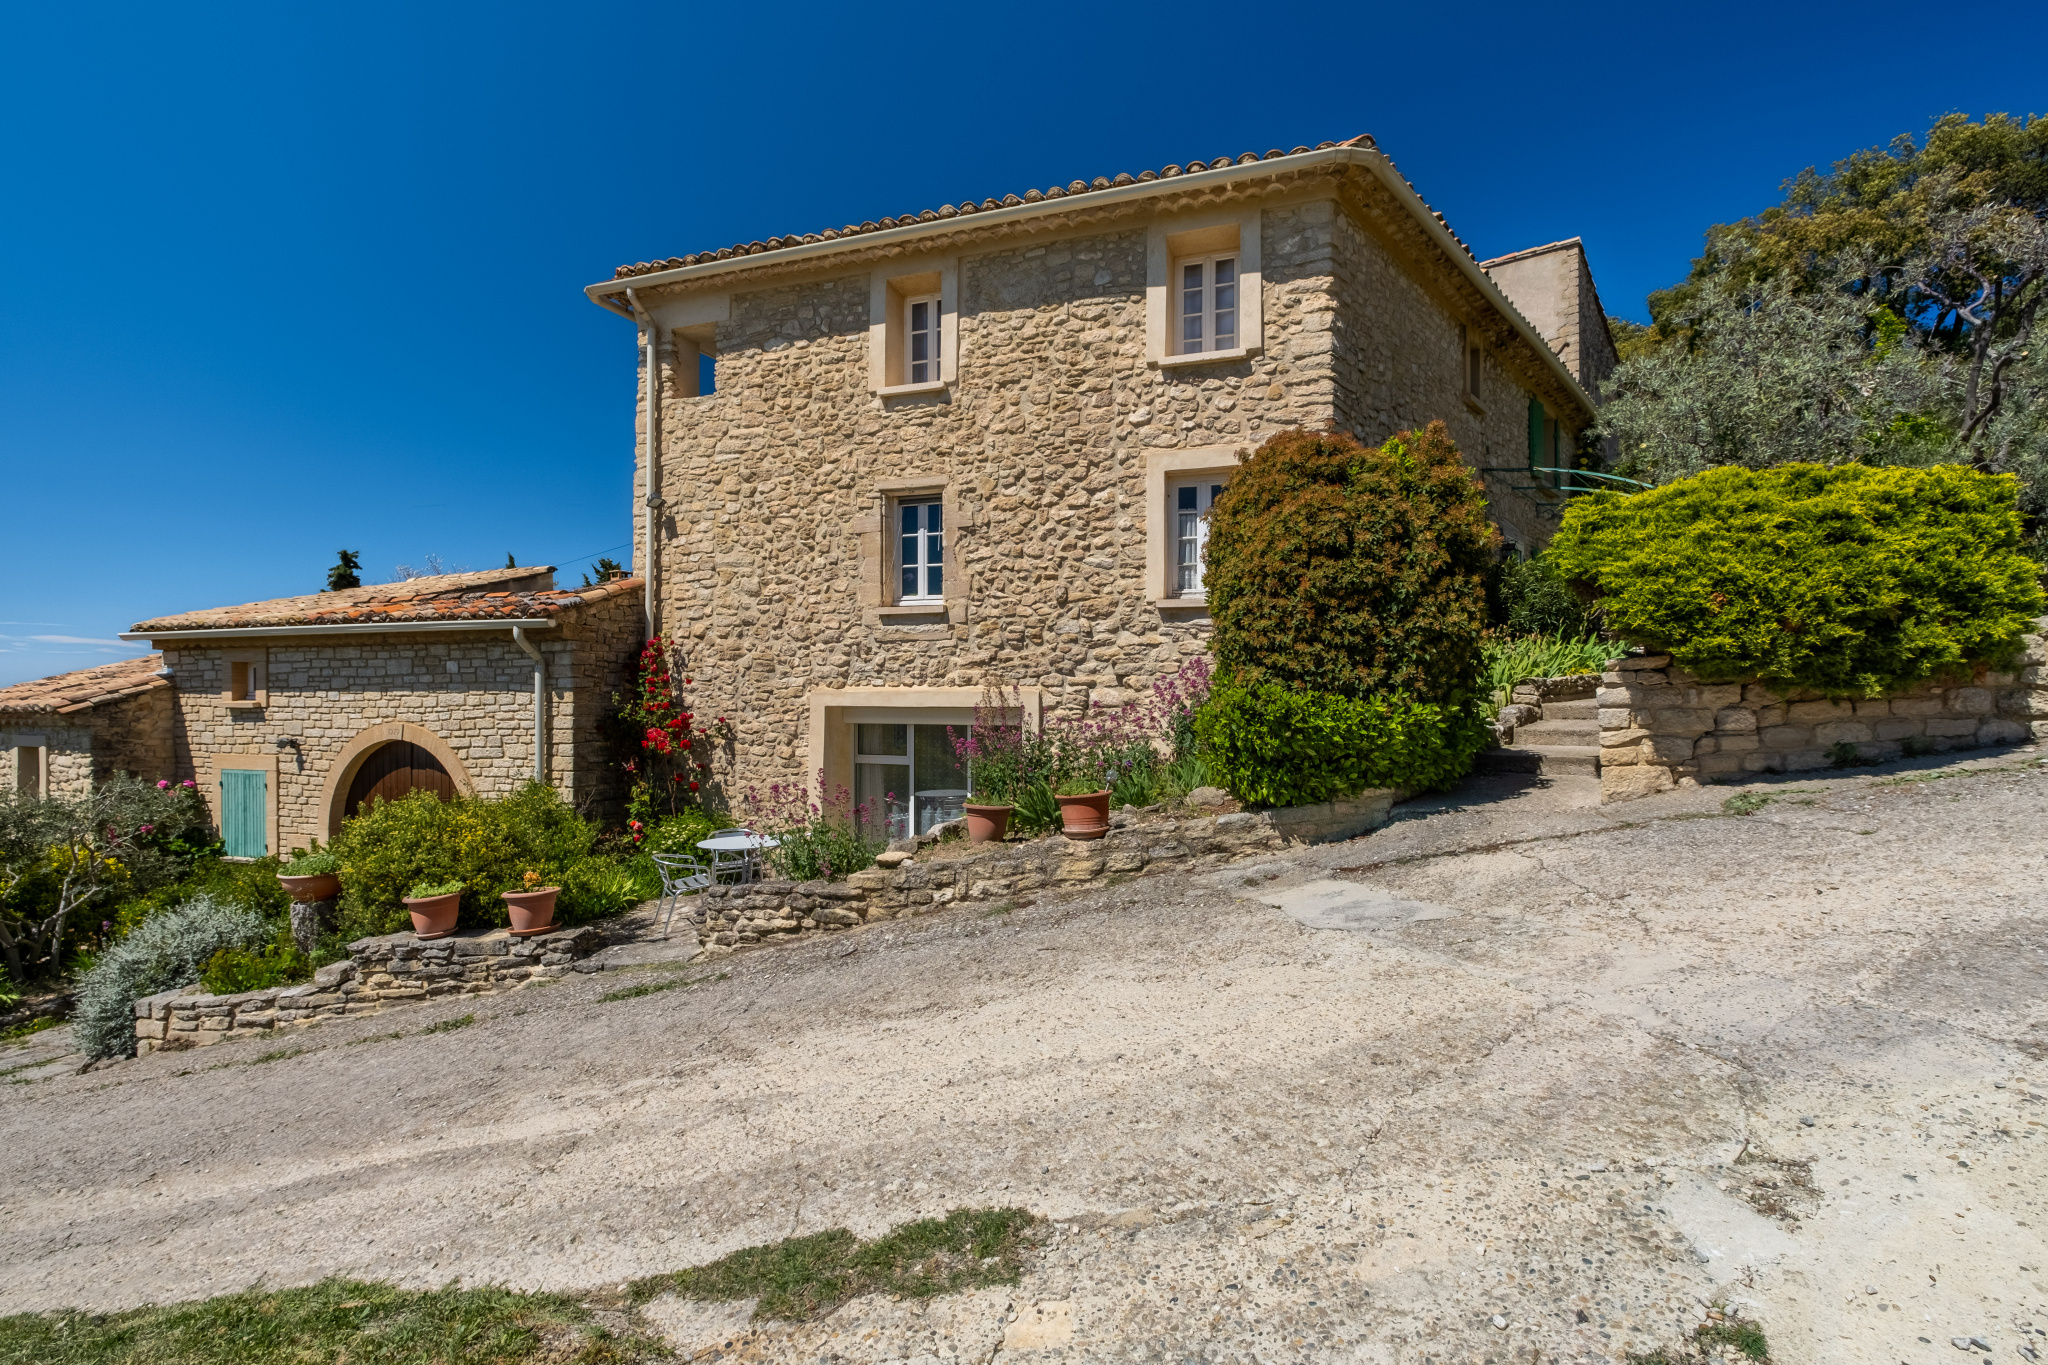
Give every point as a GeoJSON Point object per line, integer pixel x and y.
{"type": "Point", "coordinates": [345, 573]}
{"type": "Point", "coordinates": [1886, 312]}
{"type": "Point", "coordinates": [1349, 570]}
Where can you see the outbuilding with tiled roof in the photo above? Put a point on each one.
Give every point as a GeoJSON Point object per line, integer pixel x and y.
{"type": "Point", "coordinates": [60, 735]}
{"type": "Point", "coordinates": [293, 713]}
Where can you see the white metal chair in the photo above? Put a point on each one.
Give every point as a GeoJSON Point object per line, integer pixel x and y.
{"type": "Point", "coordinates": [741, 865]}
{"type": "Point", "coordinates": [681, 875]}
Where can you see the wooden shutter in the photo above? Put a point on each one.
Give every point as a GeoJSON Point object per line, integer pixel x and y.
{"type": "Point", "coordinates": [1536, 451]}
{"type": "Point", "coordinates": [244, 812]}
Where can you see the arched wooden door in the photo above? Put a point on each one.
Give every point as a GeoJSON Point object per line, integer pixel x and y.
{"type": "Point", "coordinates": [392, 770]}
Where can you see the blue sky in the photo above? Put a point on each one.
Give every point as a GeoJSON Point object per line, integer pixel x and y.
{"type": "Point", "coordinates": [279, 279]}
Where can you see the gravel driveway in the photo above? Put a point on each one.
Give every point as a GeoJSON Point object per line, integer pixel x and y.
{"type": "Point", "coordinates": [1566, 1076]}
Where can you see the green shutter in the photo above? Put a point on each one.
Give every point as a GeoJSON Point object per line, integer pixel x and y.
{"type": "Point", "coordinates": [1536, 451]}
{"type": "Point", "coordinates": [244, 813]}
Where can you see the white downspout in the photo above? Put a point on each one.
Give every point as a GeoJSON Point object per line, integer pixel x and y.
{"type": "Point", "coordinates": [653, 501]}
{"type": "Point", "coordinates": [540, 704]}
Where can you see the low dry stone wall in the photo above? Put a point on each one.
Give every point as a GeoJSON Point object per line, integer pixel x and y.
{"type": "Point", "coordinates": [727, 917]}
{"type": "Point", "coordinates": [1660, 727]}
{"type": "Point", "coordinates": [387, 970]}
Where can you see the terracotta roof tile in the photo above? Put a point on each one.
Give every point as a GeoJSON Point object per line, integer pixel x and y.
{"type": "Point", "coordinates": [497, 594]}
{"type": "Point", "coordinates": [70, 693]}
{"type": "Point", "coordinates": [969, 206]}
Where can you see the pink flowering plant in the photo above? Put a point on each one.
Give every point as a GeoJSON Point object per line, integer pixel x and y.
{"type": "Point", "coordinates": [816, 840]}
{"type": "Point", "coordinates": [1138, 750]}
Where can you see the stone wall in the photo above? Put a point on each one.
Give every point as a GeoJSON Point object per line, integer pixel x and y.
{"type": "Point", "coordinates": [1662, 728]}
{"type": "Point", "coordinates": [727, 917]}
{"type": "Point", "coordinates": [1042, 443]}
{"type": "Point", "coordinates": [472, 689]}
{"type": "Point", "coordinates": [391, 969]}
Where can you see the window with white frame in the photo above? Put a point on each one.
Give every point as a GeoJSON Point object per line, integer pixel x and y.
{"type": "Point", "coordinates": [1205, 292]}
{"type": "Point", "coordinates": [921, 550]}
{"type": "Point", "coordinates": [922, 322]}
{"type": "Point", "coordinates": [1191, 500]}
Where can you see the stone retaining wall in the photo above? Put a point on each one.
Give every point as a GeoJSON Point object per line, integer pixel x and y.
{"type": "Point", "coordinates": [729, 916]}
{"type": "Point", "coordinates": [386, 970]}
{"type": "Point", "coordinates": [1660, 727]}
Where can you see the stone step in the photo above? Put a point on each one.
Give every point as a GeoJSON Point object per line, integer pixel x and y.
{"type": "Point", "coordinates": [1571, 710]}
{"type": "Point", "coordinates": [1547, 731]}
{"type": "Point", "coordinates": [1550, 760]}
{"type": "Point", "coordinates": [1508, 761]}
{"type": "Point", "coordinates": [1560, 759]}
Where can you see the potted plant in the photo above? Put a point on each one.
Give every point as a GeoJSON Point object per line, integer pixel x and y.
{"type": "Point", "coordinates": [434, 906]}
{"type": "Point", "coordinates": [311, 876]}
{"type": "Point", "coordinates": [988, 818]}
{"type": "Point", "coordinates": [533, 909]}
{"type": "Point", "coordinates": [1084, 807]}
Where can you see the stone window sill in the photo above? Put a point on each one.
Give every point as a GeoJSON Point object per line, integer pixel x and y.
{"type": "Point", "coordinates": [1183, 602]}
{"type": "Point", "coordinates": [1472, 406]}
{"type": "Point", "coordinates": [245, 706]}
{"type": "Point", "coordinates": [906, 609]}
{"type": "Point", "coordinates": [906, 390]}
{"type": "Point", "coordinates": [1174, 362]}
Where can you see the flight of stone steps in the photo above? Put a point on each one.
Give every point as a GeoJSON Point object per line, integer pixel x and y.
{"type": "Point", "coordinates": [1551, 727]}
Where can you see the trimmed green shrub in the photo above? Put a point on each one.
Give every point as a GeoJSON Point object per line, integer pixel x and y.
{"type": "Point", "coordinates": [164, 953]}
{"type": "Point", "coordinates": [1353, 571]}
{"type": "Point", "coordinates": [487, 846]}
{"type": "Point", "coordinates": [1848, 580]}
{"type": "Point", "coordinates": [1279, 746]}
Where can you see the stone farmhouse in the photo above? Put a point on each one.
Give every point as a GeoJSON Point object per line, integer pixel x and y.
{"type": "Point", "coordinates": [290, 714]}
{"type": "Point", "coordinates": [879, 465]}
{"type": "Point", "coordinates": [882, 463]}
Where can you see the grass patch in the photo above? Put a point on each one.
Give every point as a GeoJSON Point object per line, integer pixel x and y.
{"type": "Point", "coordinates": [449, 1025]}
{"type": "Point", "coordinates": [803, 1278]}
{"type": "Point", "coordinates": [1745, 803]}
{"type": "Point", "coordinates": [653, 987]}
{"type": "Point", "coordinates": [277, 1055]}
{"type": "Point", "coordinates": [645, 988]}
{"type": "Point", "coordinates": [1908, 779]}
{"type": "Point", "coordinates": [20, 1031]}
{"type": "Point", "coordinates": [1745, 1337]}
{"type": "Point", "coordinates": [360, 1322]}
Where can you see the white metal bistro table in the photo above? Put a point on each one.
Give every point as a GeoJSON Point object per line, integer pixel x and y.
{"type": "Point", "coordinates": [752, 845]}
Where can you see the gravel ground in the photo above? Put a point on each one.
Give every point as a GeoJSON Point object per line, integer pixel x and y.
{"type": "Point", "coordinates": [1571, 1075]}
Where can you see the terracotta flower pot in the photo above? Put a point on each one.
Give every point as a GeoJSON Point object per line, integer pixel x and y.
{"type": "Point", "coordinates": [987, 824]}
{"type": "Point", "coordinates": [323, 886]}
{"type": "Point", "coordinates": [434, 916]}
{"type": "Point", "coordinates": [533, 912]}
{"type": "Point", "coordinates": [1086, 816]}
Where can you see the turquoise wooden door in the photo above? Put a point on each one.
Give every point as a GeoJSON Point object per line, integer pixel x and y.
{"type": "Point", "coordinates": [244, 813]}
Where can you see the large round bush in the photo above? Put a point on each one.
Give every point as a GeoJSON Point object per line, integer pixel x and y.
{"type": "Point", "coordinates": [164, 953]}
{"type": "Point", "coordinates": [1849, 580]}
{"type": "Point", "coordinates": [1349, 570]}
{"type": "Point", "coordinates": [487, 845]}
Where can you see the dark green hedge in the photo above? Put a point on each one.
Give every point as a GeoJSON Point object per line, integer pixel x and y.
{"type": "Point", "coordinates": [1345, 569]}
{"type": "Point", "coordinates": [1280, 746]}
{"type": "Point", "coordinates": [1849, 580]}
